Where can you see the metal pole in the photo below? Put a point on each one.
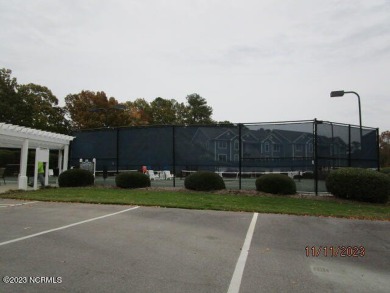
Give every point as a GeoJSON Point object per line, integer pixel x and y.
{"type": "Point", "coordinates": [340, 94]}
{"type": "Point", "coordinates": [117, 150]}
{"type": "Point", "coordinates": [333, 156]}
{"type": "Point", "coordinates": [360, 116]}
{"type": "Point", "coordinates": [378, 149]}
{"type": "Point", "coordinates": [239, 155]}
{"type": "Point", "coordinates": [315, 158]}
{"type": "Point", "coordinates": [174, 155]}
{"type": "Point", "coordinates": [349, 146]}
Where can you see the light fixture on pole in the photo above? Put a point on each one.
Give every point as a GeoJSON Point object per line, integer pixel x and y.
{"type": "Point", "coordinates": [334, 94]}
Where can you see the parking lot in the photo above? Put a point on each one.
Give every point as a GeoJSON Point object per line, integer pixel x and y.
{"type": "Point", "coordinates": [62, 247]}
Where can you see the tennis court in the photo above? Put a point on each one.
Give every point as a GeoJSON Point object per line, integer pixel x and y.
{"type": "Point", "coordinates": [303, 185]}
{"type": "Point", "coordinates": [233, 150]}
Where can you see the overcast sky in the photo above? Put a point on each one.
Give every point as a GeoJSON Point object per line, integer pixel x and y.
{"type": "Point", "coordinates": [252, 60]}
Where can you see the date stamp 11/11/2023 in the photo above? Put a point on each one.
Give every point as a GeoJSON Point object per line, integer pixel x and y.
{"type": "Point", "coordinates": [335, 251]}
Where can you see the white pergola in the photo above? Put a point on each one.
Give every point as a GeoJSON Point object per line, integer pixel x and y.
{"type": "Point", "coordinates": [24, 138]}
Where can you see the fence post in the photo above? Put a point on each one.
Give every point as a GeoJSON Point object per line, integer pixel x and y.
{"type": "Point", "coordinates": [174, 155]}
{"type": "Point", "coordinates": [332, 154]}
{"type": "Point", "coordinates": [349, 146]}
{"type": "Point", "coordinates": [117, 150]}
{"type": "Point", "coordinates": [239, 154]}
{"type": "Point", "coordinates": [378, 150]}
{"type": "Point", "coordinates": [315, 157]}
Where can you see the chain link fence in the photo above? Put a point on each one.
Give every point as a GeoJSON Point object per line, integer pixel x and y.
{"type": "Point", "coordinates": [304, 150]}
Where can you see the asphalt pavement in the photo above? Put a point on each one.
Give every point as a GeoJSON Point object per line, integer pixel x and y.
{"type": "Point", "coordinates": [63, 247]}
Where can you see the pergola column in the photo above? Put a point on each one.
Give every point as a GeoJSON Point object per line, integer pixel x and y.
{"type": "Point", "coordinates": [22, 180]}
{"type": "Point", "coordinates": [59, 162]}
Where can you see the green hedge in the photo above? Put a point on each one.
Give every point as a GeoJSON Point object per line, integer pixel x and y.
{"type": "Point", "coordinates": [276, 184]}
{"type": "Point", "coordinates": [385, 170]}
{"type": "Point", "coordinates": [76, 178]}
{"type": "Point", "coordinates": [132, 180]}
{"type": "Point", "coordinates": [359, 184]}
{"type": "Point", "coordinates": [204, 181]}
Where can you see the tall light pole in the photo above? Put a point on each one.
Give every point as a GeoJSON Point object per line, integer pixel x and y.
{"type": "Point", "coordinates": [340, 94]}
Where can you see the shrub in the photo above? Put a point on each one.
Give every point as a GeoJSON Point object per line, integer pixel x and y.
{"type": "Point", "coordinates": [385, 170]}
{"type": "Point", "coordinates": [276, 184]}
{"type": "Point", "coordinates": [204, 181]}
{"type": "Point", "coordinates": [359, 184]}
{"type": "Point", "coordinates": [76, 178]}
{"type": "Point", "coordinates": [132, 180]}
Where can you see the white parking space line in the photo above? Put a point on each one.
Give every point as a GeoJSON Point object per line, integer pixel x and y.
{"type": "Point", "coordinates": [7, 205]}
{"type": "Point", "coordinates": [65, 227]}
{"type": "Point", "coordinates": [235, 282]}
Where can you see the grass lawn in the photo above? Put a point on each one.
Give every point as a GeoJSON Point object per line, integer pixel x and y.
{"type": "Point", "coordinates": [315, 206]}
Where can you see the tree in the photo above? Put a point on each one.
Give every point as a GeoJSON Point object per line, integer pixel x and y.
{"type": "Point", "coordinates": [181, 113]}
{"type": "Point", "coordinates": [93, 110]}
{"type": "Point", "coordinates": [43, 107]}
{"type": "Point", "coordinates": [30, 105]}
{"type": "Point", "coordinates": [140, 111]}
{"type": "Point", "coordinates": [13, 109]}
{"type": "Point", "coordinates": [384, 149]}
{"type": "Point", "coordinates": [198, 110]}
{"type": "Point", "coordinates": [164, 111]}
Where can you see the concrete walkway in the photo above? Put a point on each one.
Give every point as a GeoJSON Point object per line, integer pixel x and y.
{"type": "Point", "coordinates": [7, 187]}
{"type": "Point", "coordinates": [11, 183]}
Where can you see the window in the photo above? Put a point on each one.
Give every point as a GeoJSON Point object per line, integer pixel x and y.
{"type": "Point", "coordinates": [310, 147]}
{"type": "Point", "coordinates": [222, 144]}
{"type": "Point", "coordinates": [222, 158]}
{"type": "Point", "coordinates": [276, 147]}
{"type": "Point", "coordinates": [298, 147]}
{"type": "Point", "coordinates": [266, 147]}
{"type": "Point", "coordinates": [236, 145]}
{"type": "Point", "coordinates": [236, 158]}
